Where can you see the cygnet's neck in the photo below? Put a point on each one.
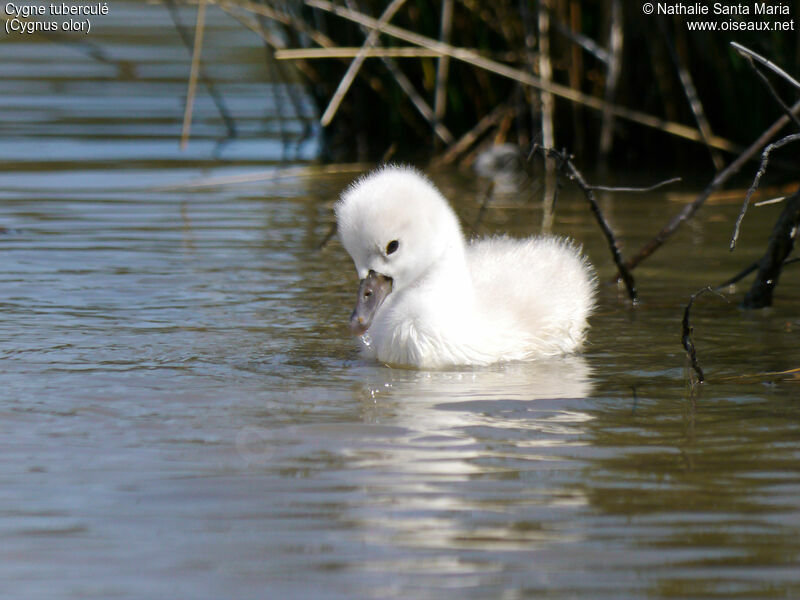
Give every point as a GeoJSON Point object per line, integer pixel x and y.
{"type": "Point", "coordinates": [446, 288]}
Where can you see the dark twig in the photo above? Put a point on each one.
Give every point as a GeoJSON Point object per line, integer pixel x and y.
{"type": "Point", "coordinates": [565, 165]}
{"type": "Point", "coordinates": [606, 188]}
{"type": "Point", "coordinates": [781, 244]}
{"type": "Point", "coordinates": [686, 332]}
{"type": "Point", "coordinates": [773, 92]}
{"type": "Point", "coordinates": [749, 269]}
{"type": "Point", "coordinates": [754, 186]}
{"type": "Point", "coordinates": [686, 336]}
{"type": "Point", "coordinates": [766, 62]}
{"type": "Point", "coordinates": [739, 276]}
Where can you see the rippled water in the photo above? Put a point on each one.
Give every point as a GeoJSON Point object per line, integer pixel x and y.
{"type": "Point", "coordinates": [184, 415]}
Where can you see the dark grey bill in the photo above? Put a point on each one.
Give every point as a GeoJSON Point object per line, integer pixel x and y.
{"type": "Point", "coordinates": [372, 291]}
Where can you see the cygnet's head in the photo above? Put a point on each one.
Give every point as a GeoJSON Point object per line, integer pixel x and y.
{"type": "Point", "coordinates": [396, 226]}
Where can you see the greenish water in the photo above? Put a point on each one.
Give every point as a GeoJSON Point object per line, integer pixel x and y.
{"type": "Point", "coordinates": [184, 414]}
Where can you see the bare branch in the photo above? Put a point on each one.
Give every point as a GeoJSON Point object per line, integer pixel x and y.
{"type": "Point", "coordinates": [686, 336]}
{"type": "Point", "coordinates": [781, 244]}
{"type": "Point", "coordinates": [686, 332]}
{"type": "Point", "coordinates": [766, 62]}
{"type": "Point", "coordinates": [754, 186]}
{"type": "Point", "coordinates": [773, 92]}
{"type": "Point", "coordinates": [564, 161]}
{"type": "Point", "coordinates": [718, 181]}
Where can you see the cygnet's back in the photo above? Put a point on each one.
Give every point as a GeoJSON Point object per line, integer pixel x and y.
{"type": "Point", "coordinates": [542, 287]}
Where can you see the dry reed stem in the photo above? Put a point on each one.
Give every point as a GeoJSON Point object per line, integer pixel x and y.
{"type": "Point", "coordinates": [576, 73]}
{"type": "Point", "coordinates": [650, 188]}
{"type": "Point", "coordinates": [469, 138]}
{"type": "Point", "coordinates": [290, 21]}
{"type": "Point", "coordinates": [274, 42]}
{"type": "Point", "coordinates": [583, 41]}
{"type": "Point", "coordinates": [260, 176]}
{"type": "Point", "coordinates": [417, 100]}
{"type": "Point", "coordinates": [350, 52]}
{"type": "Point", "coordinates": [548, 130]}
{"type": "Point", "coordinates": [699, 113]}
{"type": "Point", "coordinates": [253, 25]}
{"type": "Point", "coordinates": [320, 38]}
{"type": "Point", "coordinates": [443, 66]}
{"type": "Point", "coordinates": [470, 57]}
{"type": "Point", "coordinates": [355, 65]}
{"type": "Point", "coordinates": [195, 70]}
{"type": "Point", "coordinates": [770, 201]}
{"type": "Point", "coordinates": [612, 79]}
{"type": "Point", "coordinates": [685, 76]}
{"type": "Point", "coordinates": [216, 97]}
{"type": "Point", "coordinates": [757, 376]}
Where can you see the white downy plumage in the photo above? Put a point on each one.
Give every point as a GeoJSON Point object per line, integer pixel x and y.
{"type": "Point", "coordinates": [430, 299]}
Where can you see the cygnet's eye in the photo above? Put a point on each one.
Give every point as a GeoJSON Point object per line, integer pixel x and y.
{"type": "Point", "coordinates": [392, 246]}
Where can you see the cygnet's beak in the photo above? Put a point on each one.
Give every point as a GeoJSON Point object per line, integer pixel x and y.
{"type": "Point", "coordinates": [372, 291]}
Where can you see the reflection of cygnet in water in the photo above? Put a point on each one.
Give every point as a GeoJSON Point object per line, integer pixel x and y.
{"type": "Point", "coordinates": [429, 299]}
{"type": "Point", "coordinates": [439, 402]}
{"type": "Point", "coordinates": [505, 166]}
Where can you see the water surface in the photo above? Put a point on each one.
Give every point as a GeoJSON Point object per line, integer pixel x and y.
{"type": "Point", "coordinates": [184, 415]}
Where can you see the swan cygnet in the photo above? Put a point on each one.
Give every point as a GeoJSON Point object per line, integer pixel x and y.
{"type": "Point", "coordinates": [429, 299]}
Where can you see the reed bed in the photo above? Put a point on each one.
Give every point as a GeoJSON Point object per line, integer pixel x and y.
{"type": "Point", "coordinates": [414, 78]}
